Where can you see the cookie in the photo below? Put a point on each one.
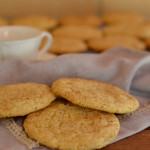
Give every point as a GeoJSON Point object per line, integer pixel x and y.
{"type": "Point", "coordinates": [123, 18]}
{"type": "Point", "coordinates": [123, 29]}
{"type": "Point", "coordinates": [107, 42]}
{"type": "Point", "coordinates": [65, 126]}
{"type": "Point", "coordinates": [144, 31]}
{"type": "Point", "coordinates": [95, 94]}
{"type": "Point", "coordinates": [67, 45]}
{"type": "Point", "coordinates": [37, 21]}
{"type": "Point", "coordinates": [3, 22]}
{"type": "Point", "coordinates": [139, 31]}
{"type": "Point", "coordinates": [77, 32]}
{"type": "Point", "coordinates": [89, 20]}
{"type": "Point", "coordinates": [23, 98]}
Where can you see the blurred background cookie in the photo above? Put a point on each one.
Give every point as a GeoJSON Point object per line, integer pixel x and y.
{"type": "Point", "coordinates": [144, 31]}
{"type": "Point", "coordinates": [38, 21]}
{"type": "Point", "coordinates": [122, 18]}
{"type": "Point", "coordinates": [78, 32]}
{"type": "Point", "coordinates": [141, 31]}
{"type": "Point", "coordinates": [121, 29]}
{"type": "Point", "coordinates": [67, 45]}
{"type": "Point", "coordinates": [106, 42]}
{"type": "Point", "coordinates": [89, 20]}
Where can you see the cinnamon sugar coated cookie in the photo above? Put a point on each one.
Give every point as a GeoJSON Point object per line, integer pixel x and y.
{"type": "Point", "coordinates": [23, 98]}
{"type": "Point", "coordinates": [67, 45]}
{"type": "Point", "coordinates": [95, 94]}
{"type": "Point", "coordinates": [77, 32]}
{"type": "Point", "coordinates": [37, 21]}
{"type": "Point", "coordinates": [89, 20]}
{"type": "Point", "coordinates": [65, 126]}
{"type": "Point", "coordinates": [123, 18]}
{"type": "Point", "coordinates": [107, 42]}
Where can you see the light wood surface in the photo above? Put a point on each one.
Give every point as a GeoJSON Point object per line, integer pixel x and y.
{"type": "Point", "coordinates": [140, 6]}
{"type": "Point", "coordinates": [56, 8]}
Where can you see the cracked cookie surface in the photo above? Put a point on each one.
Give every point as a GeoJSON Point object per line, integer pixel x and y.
{"type": "Point", "coordinates": [95, 94]}
{"type": "Point", "coordinates": [65, 126]}
{"type": "Point", "coordinates": [23, 98]}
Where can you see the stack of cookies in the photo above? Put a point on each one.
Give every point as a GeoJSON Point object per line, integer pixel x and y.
{"type": "Point", "coordinates": [121, 29]}
{"type": "Point", "coordinates": [79, 28]}
{"type": "Point", "coordinates": [81, 117]}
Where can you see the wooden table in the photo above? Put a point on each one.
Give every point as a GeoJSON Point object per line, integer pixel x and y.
{"type": "Point", "coordinates": [139, 141]}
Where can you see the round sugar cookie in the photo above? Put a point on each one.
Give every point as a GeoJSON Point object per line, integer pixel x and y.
{"type": "Point", "coordinates": [139, 31]}
{"type": "Point", "coordinates": [67, 45]}
{"type": "Point", "coordinates": [77, 32]}
{"type": "Point", "coordinates": [95, 94]}
{"type": "Point", "coordinates": [89, 20]}
{"type": "Point", "coordinates": [38, 21]}
{"type": "Point", "coordinates": [23, 98]}
{"type": "Point", "coordinates": [3, 22]}
{"type": "Point", "coordinates": [123, 29]}
{"type": "Point", "coordinates": [123, 18]}
{"type": "Point", "coordinates": [65, 126]}
{"type": "Point", "coordinates": [107, 42]}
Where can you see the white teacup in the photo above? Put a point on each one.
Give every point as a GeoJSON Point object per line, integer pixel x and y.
{"type": "Point", "coordinates": [22, 42]}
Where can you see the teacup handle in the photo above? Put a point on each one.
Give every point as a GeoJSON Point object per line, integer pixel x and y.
{"type": "Point", "coordinates": [47, 45]}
